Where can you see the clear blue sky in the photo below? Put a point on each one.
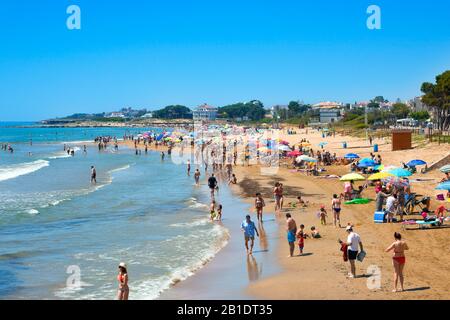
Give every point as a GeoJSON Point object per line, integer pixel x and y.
{"type": "Point", "coordinates": [154, 53]}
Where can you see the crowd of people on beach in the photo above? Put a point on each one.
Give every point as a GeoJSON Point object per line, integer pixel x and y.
{"type": "Point", "coordinates": [220, 157]}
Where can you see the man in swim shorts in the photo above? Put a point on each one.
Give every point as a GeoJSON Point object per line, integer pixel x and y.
{"type": "Point", "coordinates": [291, 228]}
{"type": "Point", "coordinates": [212, 184]}
{"type": "Point", "coordinates": [249, 229]}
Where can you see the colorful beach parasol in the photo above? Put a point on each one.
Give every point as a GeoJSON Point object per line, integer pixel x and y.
{"type": "Point", "coordinates": [294, 153]}
{"type": "Point", "coordinates": [416, 162]}
{"type": "Point", "coordinates": [400, 172]}
{"type": "Point", "coordinates": [443, 186]}
{"type": "Point", "coordinates": [380, 176]}
{"type": "Point", "coordinates": [351, 156]}
{"type": "Point", "coordinates": [352, 177]}
{"type": "Point", "coordinates": [305, 158]}
{"type": "Point", "coordinates": [284, 148]}
{"type": "Point", "coordinates": [366, 162]}
{"type": "Point", "coordinates": [445, 169]}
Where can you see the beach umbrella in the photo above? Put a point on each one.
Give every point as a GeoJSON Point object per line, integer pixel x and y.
{"type": "Point", "coordinates": [284, 148]}
{"type": "Point", "coordinates": [351, 156]}
{"type": "Point", "coordinates": [400, 172]}
{"type": "Point", "coordinates": [305, 144]}
{"type": "Point", "coordinates": [445, 169]}
{"type": "Point", "coordinates": [443, 186]}
{"type": "Point", "coordinates": [366, 162]}
{"type": "Point", "coordinates": [294, 153]}
{"type": "Point", "coordinates": [380, 176]}
{"type": "Point", "coordinates": [379, 167]}
{"type": "Point", "coordinates": [416, 162]}
{"type": "Point", "coordinates": [284, 142]}
{"type": "Point", "coordinates": [322, 144]}
{"type": "Point", "coordinates": [352, 177]}
{"type": "Point", "coordinates": [396, 181]}
{"type": "Point", "coordinates": [305, 158]}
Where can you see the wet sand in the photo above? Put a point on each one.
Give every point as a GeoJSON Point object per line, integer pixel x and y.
{"type": "Point", "coordinates": [231, 271]}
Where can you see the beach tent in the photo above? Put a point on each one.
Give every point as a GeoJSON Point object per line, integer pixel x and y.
{"type": "Point", "coordinates": [414, 163]}
{"type": "Point", "coordinates": [352, 177]}
{"type": "Point", "coordinates": [380, 175]}
{"type": "Point", "coordinates": [305, 158]}
{"type": "Point", "coordinates": [400, 172]}
{"type": "Point", "coordinates": [351, 156]}
{"type": "Point", "coordinates": [445, 169]}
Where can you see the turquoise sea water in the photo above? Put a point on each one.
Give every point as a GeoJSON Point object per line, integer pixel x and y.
{"type": "Point", "coordinates": [143, 211]}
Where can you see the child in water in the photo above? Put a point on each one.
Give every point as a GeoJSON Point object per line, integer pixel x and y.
{"type": "Point", "coordinates": [212, 210]}
{"type": "Point", "coordinates": [219, 213]}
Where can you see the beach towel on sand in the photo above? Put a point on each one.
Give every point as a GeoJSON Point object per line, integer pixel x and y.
{"type": "Point", "coordinates": [358, 201]}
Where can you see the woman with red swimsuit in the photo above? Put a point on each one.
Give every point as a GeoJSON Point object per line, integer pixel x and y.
{"type": "Point", "coordinates": [398, 260]}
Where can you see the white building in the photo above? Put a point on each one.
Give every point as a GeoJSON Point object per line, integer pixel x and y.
{"type": "Point", "coordinates": [205, 112]}
{"type": "Point", "coordinates": [329, 112]}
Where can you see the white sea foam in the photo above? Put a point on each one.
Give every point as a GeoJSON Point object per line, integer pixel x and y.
{"type": "Point", "coordinates": [16, 170]}
{"type": "Point", "coordinates": [33, 211]}
{"type": "Point", "coordinates": [152, 289]}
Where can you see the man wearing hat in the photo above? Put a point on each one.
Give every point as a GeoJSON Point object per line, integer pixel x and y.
{"type": "Point", "coordinates": [353, 243]}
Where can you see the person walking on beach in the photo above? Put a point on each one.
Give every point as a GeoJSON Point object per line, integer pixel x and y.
{"type": "Point", "coordinates": [277, 193]}
{"type": "Point", "coordinates": [249, 229]}
{"type": "Point", "coordinates": [353, 244]}
{"type": "Point", "coordinates": [197, 176]}
{"type": "Point", "coordinates": [189, 167]}
{"type": "Point", "coordinates": [336, 206]}
{"type": "Point", "coordinates": [93, 175]}
{"type": "Point", "coordinates": [291, 229]}
{"type": "Point", "coordinates": [212, 184]}
{"type": "Point", "coordinates": [259, 206]}
{"type": "Point", "coordinates": [323, 216]}
{"type": "Point", "coordinates": [122, 278]}
{"type": "Point", "coordinates": [391, 205]}
{"type": "Point", "coordinates": [398, 260]}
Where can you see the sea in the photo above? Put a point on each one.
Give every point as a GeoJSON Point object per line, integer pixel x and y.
{"type": "Point", "coordinates": [62, 237]}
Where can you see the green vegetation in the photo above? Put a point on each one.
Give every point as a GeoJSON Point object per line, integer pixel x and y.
{"type": "Point", "coordinates": [173, 112]}
{"type": "Point", "coordinates": [254, 110]}
{"type": "Point", "coordinates": [420, 115]}
{"type": "Point", "coordinates": [437, 96]}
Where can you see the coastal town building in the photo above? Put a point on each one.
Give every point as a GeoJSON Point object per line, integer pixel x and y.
{"type": "Point", "coordinates": [205, 112]}
{"type": "Point", "coordinates": [329, 112]}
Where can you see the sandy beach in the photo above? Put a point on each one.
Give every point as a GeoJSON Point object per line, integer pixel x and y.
{"type": "Point", "coordinates": [321, 272]}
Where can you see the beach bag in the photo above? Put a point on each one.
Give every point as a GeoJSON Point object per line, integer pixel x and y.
{"type": "Point", "coordinates": [360, 257]}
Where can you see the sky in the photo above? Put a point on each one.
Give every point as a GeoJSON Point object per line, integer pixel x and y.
{"type": "Point", "coordinates": [150, 54]}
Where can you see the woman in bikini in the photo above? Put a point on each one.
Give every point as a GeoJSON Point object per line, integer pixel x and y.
{"type": "Point", "coordinates": [336, 206]}
{"type": "Point", "coordinates": [122, 277]}
{"type": "Point", "coordinates": [277, 192]}
{"type": "Point", "coordinates": [398, 260]}
{"type": "Point", "coordinates": [259, 205]}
